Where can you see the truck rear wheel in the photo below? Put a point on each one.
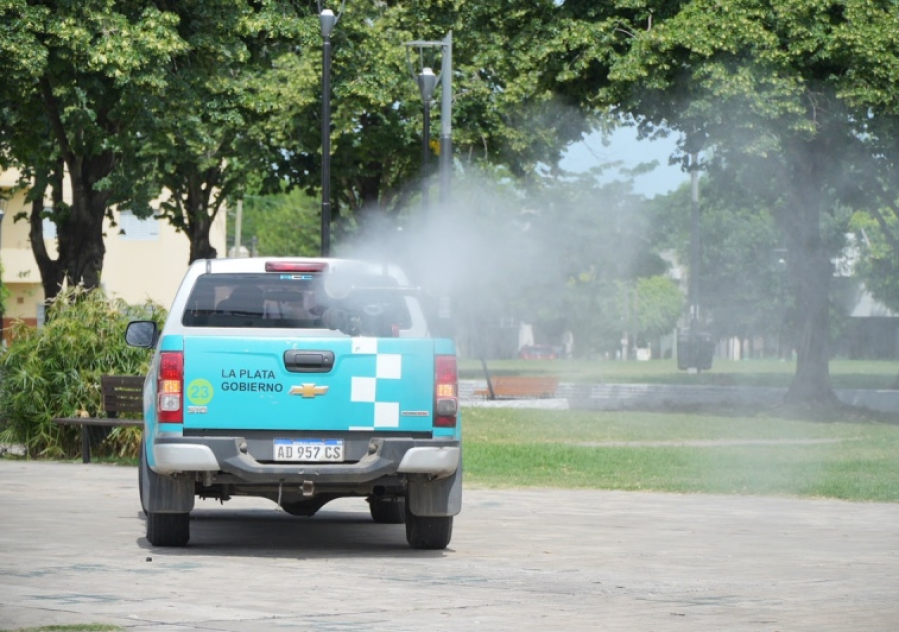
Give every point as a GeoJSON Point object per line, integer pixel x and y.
{"type": "Point", "coordinates": [431, 533]}
{"type": "Point", "coordinates": [168, 529]}
{"type": "Point", "coordinates": [387, 510]}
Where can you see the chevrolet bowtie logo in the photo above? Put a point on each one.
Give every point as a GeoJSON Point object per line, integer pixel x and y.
{"type": "Point", "coordinates": [308, 390]}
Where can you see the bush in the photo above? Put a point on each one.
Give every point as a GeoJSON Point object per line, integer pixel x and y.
{"type": "Point", "coordinates": [55, 371]}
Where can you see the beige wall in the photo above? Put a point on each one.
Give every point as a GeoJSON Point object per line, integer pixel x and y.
{"type": "Point", "coordinates": [148, 264]}
{"type": "Point", "coordinates": [143, 264]}
{"type": "Point", "coordinates": [20, 274]}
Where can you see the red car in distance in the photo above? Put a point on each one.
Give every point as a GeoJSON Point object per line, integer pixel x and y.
{"type": "Point", "coordinates": [538, 352]}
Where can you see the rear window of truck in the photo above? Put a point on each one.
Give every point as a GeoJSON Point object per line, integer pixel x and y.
{"type": "Point", "coordinates": [292, 300]}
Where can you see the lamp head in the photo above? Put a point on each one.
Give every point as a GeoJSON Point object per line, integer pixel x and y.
{"type": "Point", "coordinates": [427, 82]}
{"type": "Point", "coordinates": [328, 20]}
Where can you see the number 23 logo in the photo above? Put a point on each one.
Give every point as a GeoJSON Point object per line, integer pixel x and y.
{"type": "Point", "coordinates": [200, 392]}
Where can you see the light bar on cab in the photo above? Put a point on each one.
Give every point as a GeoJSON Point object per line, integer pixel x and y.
{"type": "Point", "coordinates": [295, 266]}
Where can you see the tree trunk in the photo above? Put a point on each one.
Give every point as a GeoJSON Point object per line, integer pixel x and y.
{"type": "Point", "coordinates": [80, 231]}
{"type": "Point", "coordinates": [200, 222]}
{"type": "Point", "coordinates": [199, 216]}
{"type": "Point", "coordinates": [82, 249]}
{"type": "Point", "coordinates": [52, 272]}
{"type": "Point", "coordinates": [811, 383]}
{"type": "Point", "coordinates": [811, 271]}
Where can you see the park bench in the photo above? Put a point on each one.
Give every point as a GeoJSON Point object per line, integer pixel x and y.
{"type": "Point", "coordinates": [507, 387]}
{"type": "Point", "coordinates": [121, 394]}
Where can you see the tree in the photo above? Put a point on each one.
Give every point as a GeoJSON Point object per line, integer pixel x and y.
{"type": "Point", "coordinates": [212, 133]}
{"type": "Point", "coordinates": [742, 288]}
{"type": "Point", "coordinates": [657, 307]}
{"type": "Point", "coordinates": [72, 96]}
{"type": "Point", "coordinates": [757, 81]}
{"type": "Point", "coordinates": [878, 267]}
{"type": "Point", "coordinates": [560, 255]}
{"type": "Point", "coordinates": [876, 219]}
{"type": "Point", "coordinates": [501, 112]}
{"type": "Point", "coordinates": [596, 238]}
{"type": "Point", "coordinates": [283, 224]}
{"type": "Point", "coordinates": [205, 93]}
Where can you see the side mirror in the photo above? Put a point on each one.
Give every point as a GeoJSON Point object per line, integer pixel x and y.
{"type": "Point", "coordinates": [141, 333]}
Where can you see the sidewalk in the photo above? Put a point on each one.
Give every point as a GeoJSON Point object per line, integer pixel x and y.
{"type": "Point", "coordinates": [661, 396]}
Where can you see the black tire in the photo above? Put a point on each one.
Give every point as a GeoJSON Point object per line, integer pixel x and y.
{"type": "Point", "coordinates": [432, 533]}
{"type": "Point", "coordinates": [168, 529]}
{"type": "Point", "coordinates": [387, 510]}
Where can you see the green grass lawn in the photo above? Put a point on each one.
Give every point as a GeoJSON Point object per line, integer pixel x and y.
{"type": "Point", "coordinates": [844, 373]}
{"type": "Point", "coordinates": [507, 447]}
{"type": "Point", "coordinates": [843, 454]}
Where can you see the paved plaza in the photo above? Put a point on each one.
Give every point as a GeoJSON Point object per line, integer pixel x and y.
{"type": "Point", "coordinates": [73, 551]}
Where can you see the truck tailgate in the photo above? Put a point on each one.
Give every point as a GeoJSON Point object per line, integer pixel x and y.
{"type": "Point", "coordinates": [309, 384]}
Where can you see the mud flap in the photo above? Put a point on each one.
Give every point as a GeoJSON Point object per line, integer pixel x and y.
{"type": "Point", "coordinates": [442, 497]}
{"type": "Point", "coordinates": [166, 494]}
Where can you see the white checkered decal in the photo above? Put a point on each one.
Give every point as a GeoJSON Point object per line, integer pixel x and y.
{"type": "Point", "coordinates": [364, 390]}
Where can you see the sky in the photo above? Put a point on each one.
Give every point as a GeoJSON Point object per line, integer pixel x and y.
{"type": "Point", "coordinates": [626, 148]}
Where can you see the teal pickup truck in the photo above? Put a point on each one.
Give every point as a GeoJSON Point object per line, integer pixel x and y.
{"type": "Point", "coordinates": [300, 381]}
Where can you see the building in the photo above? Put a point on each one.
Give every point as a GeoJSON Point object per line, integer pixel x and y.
{"type": "Point", "coordinates": [145, 258]}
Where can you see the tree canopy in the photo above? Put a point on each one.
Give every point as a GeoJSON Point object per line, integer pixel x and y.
{"type": "Point", "coordinates": [760, 82]}
{"type": "Point", "coordinates": [209, 134]}
{"type": "Point", "coordinates": [72, 96]}
{"type": "Point", "coordinates": [280, 224]}
{"type": "Point", "coordinates": [503, 112]}
{"type": "Point", "coordinates": [790, 103]}
{"type": "Point", "coordinates": [200, 98]}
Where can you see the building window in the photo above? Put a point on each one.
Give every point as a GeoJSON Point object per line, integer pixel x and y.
{"type": "Point", "coordinates": [49, 228]}
{"type": "Point", "coordinates": [137, 229]}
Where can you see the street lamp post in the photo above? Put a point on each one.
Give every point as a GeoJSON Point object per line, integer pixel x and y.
{"type": "Point", "coordinates": [697, 346]}
{"type": "Point", "coordinates": [695, 247]}
{"type": "Point", "coordinates": [328, 21]}
{"type": "Point", "coordinates": [446, 120]}
{"type": "Point", "coordinates": [427, 83]}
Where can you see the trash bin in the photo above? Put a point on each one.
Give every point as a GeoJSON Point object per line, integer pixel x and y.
{"type": "Point", "coordinates": [694, 350]}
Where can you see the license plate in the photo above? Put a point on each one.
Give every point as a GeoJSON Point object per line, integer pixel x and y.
{"type": "Point", "coordinates": [309, 450]}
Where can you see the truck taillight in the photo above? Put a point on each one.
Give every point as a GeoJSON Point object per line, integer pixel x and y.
{"type": "Point", "coordinates": [446, 387]}
{"type": "Point", "coordinates": [170, 387]}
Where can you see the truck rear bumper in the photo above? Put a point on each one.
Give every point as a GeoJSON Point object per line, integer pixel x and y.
{"type": "Point", "coordinates": [438, 458]}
